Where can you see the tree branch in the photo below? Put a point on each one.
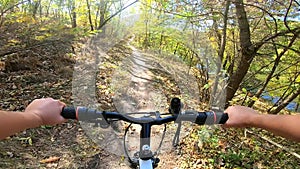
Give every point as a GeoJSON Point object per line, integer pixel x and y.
{"type": "Point", "coordinates": [11, 7]}
{"type": "Point", "coordinates": [266, 39]}
{"type": "Point", "coordinates": [113, 15]}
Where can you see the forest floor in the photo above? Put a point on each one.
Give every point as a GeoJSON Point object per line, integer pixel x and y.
{"type": "Point", "coordinates": [45, 69]}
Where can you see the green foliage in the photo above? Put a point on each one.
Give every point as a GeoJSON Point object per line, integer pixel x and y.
{"type": "Point", "coordinates": [208, 147]}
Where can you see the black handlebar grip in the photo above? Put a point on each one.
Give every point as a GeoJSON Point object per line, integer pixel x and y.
{"type": "Point", "coordinates": [223, 117]}
{"type": "Point", "coordinates": [213, 117]}
{"type": "Point", "coordinates": [69, 113]}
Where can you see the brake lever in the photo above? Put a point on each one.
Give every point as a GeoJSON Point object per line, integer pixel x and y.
{"type": "Point", "coordinates": [100, 123]}
{"type": "Point", "coordinates": [157, 115]}
{"type": "Point", "coordinates": [103, 122]}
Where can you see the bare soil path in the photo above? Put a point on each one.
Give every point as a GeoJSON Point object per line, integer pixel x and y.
{"type": "Point", "coordinates": [136, 89]}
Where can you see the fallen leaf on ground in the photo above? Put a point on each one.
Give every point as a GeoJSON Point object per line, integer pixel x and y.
{"type": "Point", "coordinates": [50, 160]}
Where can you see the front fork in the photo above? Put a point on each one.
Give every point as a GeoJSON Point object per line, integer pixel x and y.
{"type": "Point", "coordinates": [145, 164]}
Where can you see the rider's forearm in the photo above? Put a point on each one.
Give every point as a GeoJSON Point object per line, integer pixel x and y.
{"type": "Point", "coordinates": [13, 122]}
{"type": "Point", "coordinates": [283, 125]}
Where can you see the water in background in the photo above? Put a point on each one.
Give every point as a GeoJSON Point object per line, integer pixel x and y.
{"type": "Point", "coordinates": [292, 106]}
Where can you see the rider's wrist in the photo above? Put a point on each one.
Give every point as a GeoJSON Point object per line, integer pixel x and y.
{"type": "Point", "coordinates": [34, 119]}
{"type": "Point", "coordinates": [255, 120]}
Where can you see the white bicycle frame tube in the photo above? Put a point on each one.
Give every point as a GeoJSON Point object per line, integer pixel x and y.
{"type": "Point", "coordinates": [145, 164]}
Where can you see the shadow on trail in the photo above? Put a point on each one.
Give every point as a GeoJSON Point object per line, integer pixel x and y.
{"type": "Point", "coordinates": [143, 84]}
{"type": "Point", "coordinates": [133, 82]}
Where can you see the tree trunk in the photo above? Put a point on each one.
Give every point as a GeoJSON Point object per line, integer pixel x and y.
{"type": "Point", "coordinates": [48, 8]}
{"type": "Point", "coordinates": [97, 16]}
{"type": "Point", "coordinates": [146, 40]}
{"type": "Point", "coordinates": [297, 105]}
{"type": "Point", "coordinates": [35, 6]}
{"type": "Point", "coordinates": [89, 15]}
{"type": "Point", "coordinates": [247, 51]}
{"type": "Point", "coordinates": [103, 6]}
{"type": "Point", "coordinates": [215, 96]}
{"type": "Point", "coordinates": [161, 41]}
{"type": "Point", "coordinates": [74, 17]}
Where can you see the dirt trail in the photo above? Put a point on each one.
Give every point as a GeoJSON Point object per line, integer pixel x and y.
{"type": "Point", "coordinates": [136, 92]}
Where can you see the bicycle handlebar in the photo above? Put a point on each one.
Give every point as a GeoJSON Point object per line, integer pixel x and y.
{"type": "Point", "coordinates": [200, 118]}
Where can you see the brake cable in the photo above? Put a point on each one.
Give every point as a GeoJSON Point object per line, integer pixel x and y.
{"type": "Point", "coordinates": [124, 144]}
{"type": "Point", "coordinates": [161, 141]}
{"type": "Point", "coordinates": [176, 136]}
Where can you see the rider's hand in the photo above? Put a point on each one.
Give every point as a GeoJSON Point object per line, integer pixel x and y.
{"type": "Point", "coordinates": [47, 110]}
{"type": "Point", "coordinates": [240, 116]}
